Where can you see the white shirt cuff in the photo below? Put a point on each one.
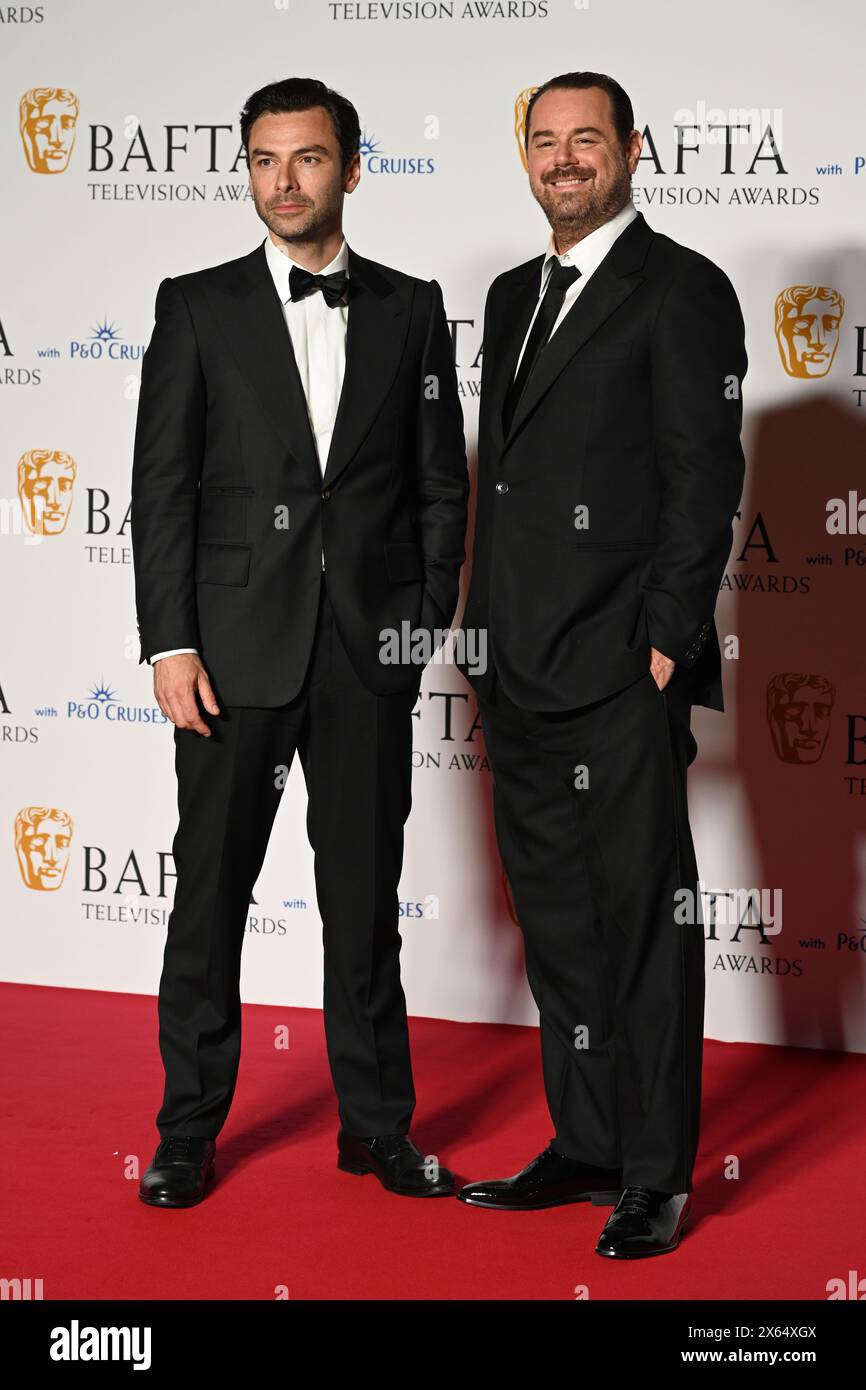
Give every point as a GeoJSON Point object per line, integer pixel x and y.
{"type": "Point", "coordinates": [175, 651]}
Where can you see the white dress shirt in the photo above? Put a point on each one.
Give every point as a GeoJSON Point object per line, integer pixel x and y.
{"type": "Point", "coordinates": [318, 334]}
{"type": "Point", "coordinates": [587, 255]}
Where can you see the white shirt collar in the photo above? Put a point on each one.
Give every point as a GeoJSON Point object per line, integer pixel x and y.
{"type": "Point", "coordinates": [281, 262]}
{"type": "Point", "coordinates": [588, 253]}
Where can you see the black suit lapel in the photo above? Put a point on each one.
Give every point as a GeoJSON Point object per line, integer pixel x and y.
{"type": "Point", "coordinates": [608, 287]}
{"type": "Point", "coordinates": [249, 309]}
{"type": "Point", "coordinates": [516, 314]}
{"type": "Point", "coordinates": [375, 334]}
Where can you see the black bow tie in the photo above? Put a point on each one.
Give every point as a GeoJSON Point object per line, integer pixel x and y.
{"type": "Point", "coordinates": [303, 282]}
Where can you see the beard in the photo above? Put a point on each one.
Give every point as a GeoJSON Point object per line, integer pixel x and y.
{"type": "Point", "coordinates": [580, 211]}
{"type": "Point", "coordinates": [308, 225]}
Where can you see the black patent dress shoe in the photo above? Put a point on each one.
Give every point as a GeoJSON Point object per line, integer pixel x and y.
{"type": "Point", "coordinates": [644, 1222]}
{"type": "Point", "coordinates": [181, 1167]}
{"type": "Point", "coordinates": [550, 1180]}
{"type": "Point", "coordinates": [395, 1161]}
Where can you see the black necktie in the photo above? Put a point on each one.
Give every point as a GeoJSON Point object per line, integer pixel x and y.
{"type": "Point", "coordinates": [561, 276]}
{"type": "Point", "coordinates": [303, 282]}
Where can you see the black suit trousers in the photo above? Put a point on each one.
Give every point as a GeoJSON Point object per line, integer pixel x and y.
{"type": "Point", "coordinates": [356, 752]}
{"type": "Point", "coordinates": [592, 823]}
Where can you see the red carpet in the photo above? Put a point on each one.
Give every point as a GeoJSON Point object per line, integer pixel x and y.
{"type": "Point", "coordinates": [82, 1081]}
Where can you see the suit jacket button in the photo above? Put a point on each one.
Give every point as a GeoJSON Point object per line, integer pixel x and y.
{"type": "Point", "coordinates": [326, 494]}
{"type": "Point", "coordinates": [501, 487]}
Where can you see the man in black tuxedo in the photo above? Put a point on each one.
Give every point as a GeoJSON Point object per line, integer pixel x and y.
{"type": "Point", "coordinates": [610, 468]}
{"type": "Point", "coordinates": [298, 494]}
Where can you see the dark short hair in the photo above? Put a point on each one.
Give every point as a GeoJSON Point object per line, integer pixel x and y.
{"type": "Point", "coordinates": [620, 102]}
{"type": "Point", "coordinates": [300, 94]}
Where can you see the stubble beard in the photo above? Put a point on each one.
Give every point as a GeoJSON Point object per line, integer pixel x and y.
{"type": "Point", "coordinates": [311, 225]}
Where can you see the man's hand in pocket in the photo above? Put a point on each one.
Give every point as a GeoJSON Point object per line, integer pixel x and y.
{"type": "Point", "coordinates": [662, 668]}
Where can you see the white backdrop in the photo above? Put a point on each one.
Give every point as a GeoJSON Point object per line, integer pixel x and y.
{"type": "Point", "coordinates": [98, 211]}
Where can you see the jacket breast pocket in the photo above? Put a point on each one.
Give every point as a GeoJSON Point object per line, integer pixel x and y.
{"type": "Point", "coordinates": [222, 564]}
{"type": "Point", "coordinates": [608, 367]}
{"type": "Point", "coordinates": [403, 561]}
{"type": "Point", "coordinates": [614, 354]}
{"type": "Point", "coordinates": [616, 545]}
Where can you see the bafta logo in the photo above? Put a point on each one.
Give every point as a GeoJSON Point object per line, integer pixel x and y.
{"type": "Point", "coordinates": [45, 481]}
{"type": "Point", "coordinates": [807, 328]}
{"type": "Point", "coordinates": [47, 118]}
{"type": "Point", "coordinates": [520, 106]}
{"type": "Point", "coordinates": [798, 712]}
{"type": "Point", "coordinates": [42, 838]}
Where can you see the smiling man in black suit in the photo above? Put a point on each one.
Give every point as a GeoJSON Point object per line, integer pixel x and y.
{"type": "Point", "coordinates": [610, 468]}
{"type": "Point", "coordinates": [299, 489]}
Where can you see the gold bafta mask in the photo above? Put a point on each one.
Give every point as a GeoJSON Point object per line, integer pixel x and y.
{"type": "Point", "coordinates": [47, 118]}
{"type": "Point", "coordinates": [807, 328]}
{"type": "Point", "coordinates": [799, 707]}
{"type": "Point", "coordinates": [45, 482]}
{"type": "Point", "coordinates": [42, 838]}
{"type": "Point", "coordinates": [520, 107]}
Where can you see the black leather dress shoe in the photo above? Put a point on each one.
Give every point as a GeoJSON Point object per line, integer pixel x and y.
{"type": "Point", "coordinates": [398, 1165]}
{"type": "Point", "coordinates": [550, 1180]}
{"type": "Point", "coordinates": [181, 1167]}
{"type": "Point", "coordinates": [644, 1222]}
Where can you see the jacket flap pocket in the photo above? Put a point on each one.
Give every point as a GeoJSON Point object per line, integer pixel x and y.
{"type": "Point", "coordinates": [404, 561]}
{"type": "Point", "coordinates": [222, 564]}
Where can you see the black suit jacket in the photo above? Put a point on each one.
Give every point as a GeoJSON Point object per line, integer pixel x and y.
{"type": "Point", "coordinates": [224, 456]}
{"type": "Point", "coordinates": [633, 411]}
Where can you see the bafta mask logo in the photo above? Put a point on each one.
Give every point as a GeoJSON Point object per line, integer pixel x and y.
{"type": "Point", "coordinates": [520, 107]}
{"type": "Point", "coordinates": [45, 481]}
{"type": "Point", "coordinates": [42, 838]}
{"type": "Point", "coordinates": [47, 118]}
{"type": "Point", "coordinates": [807, 328]}
{"type": "Point", "coordinates": [798, 712]}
